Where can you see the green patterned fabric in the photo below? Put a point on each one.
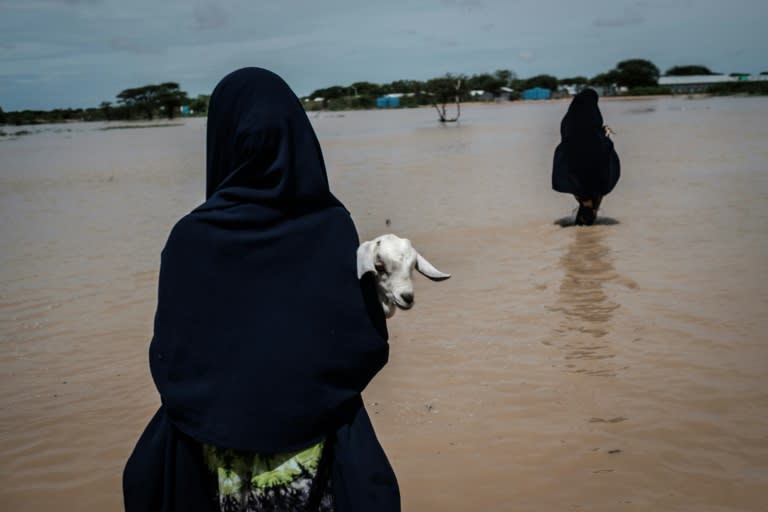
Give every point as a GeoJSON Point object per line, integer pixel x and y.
{"type": "Point", "coordinates": [250, 482]}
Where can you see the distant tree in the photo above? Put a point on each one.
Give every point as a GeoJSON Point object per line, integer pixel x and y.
{"type": "Point", "coordinates": [365, 89]}
{"type": "Point", "coordinates": [330, 93]}
{"type": "Point", "coordinates": [763, 73]}
{"type": "Point", "coordinates": [505, 75]}
{"type": "Point", "coordinates": [605, 79]}
{"type": "Point", "coordinates": [199, 105]}
{"type": "Point", "coordinates": [93, 114]}
{"type": "Point", "coordinates": [688, 71]}
{"type": "Point", "coordinates": [576, 80]}
{"type": "Point", "coordinates": [21, 117]}
{"type": "Point", "coordinates": [139, 99]}
{"type": "Point", "coordinates": [444, 90]}
{"type": "Point", "coordinates": [517, 84]}
{"type": "Point", "coordinates": [170, 98]}
{"type": "Point", "coordinates": [63, 114]}
{"type": "Point", "coordinates": [637, 73]}
{"type": "Point", "coordinates": [405, 86]}
{"type": "Point", "coordinates": [106, 109]}
{"type": "Point", "coordinates": [740, 87]}
{"type": "Point", "coordinates": [2, 116]}
{"type": "Point", "coordinates": [738, 74]}
{"type": "Point", "coordinates": [545, 81]}
{"type": "Point", "coordinates": [152, 98]}
{"type": "Point", "coordinates": [485, 82]}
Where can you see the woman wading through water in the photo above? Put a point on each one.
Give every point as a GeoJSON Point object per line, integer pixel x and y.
{"type": "Point", "coordinates": [585, 164]}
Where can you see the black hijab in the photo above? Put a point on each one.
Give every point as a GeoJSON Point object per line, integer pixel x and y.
{"type": "Point", "coordinates": [264, 337]}
{"type": "Point", "coordinates": [585, 162]}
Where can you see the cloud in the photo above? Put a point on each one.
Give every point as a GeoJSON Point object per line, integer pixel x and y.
{"type": "Point", "coordinates": [114, 44]}
{"type": "Point", "coordinates": [31, 52]}
{"type": "Point", "coordinates": [124, 44]}
{"type": "Point", "coordinates": [210, 17]}
{"type": "Point", "coordinates": [19, 78]}
{"type": "Point", "coordinates": [469, 5]}
{"type": "Point", "coordinates": [66, 2]}
{"type": "Point", "coordinates": [526, 55]}
{"type": "Point", "coordinates": [628, 18]}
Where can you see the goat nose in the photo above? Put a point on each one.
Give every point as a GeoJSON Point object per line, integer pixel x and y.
{"type": "Point", "coordinates": [407, 297]}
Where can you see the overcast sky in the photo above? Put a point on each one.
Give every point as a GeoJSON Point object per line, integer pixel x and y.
{"type": "Point", "coordinates": [78, 53]}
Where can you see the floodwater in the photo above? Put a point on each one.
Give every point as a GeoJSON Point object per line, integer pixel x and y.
{"type": "Point", "coordinates": [622, 366]}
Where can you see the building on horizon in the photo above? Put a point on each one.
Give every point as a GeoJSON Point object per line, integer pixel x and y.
{"type": "Point", "coordinates": [537, 93]}
{"type": "Point", "coordinates": [391, 100]}
{"type": "Point", "coordinates": [700, 83]}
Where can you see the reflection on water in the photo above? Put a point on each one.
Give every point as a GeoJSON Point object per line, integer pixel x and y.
{"type": "Point", "coordinates": [84, 215]}
{"type": "Point", "coordinates": [570, 220]}
{"type": "Point", "coordinates": [584, 308]}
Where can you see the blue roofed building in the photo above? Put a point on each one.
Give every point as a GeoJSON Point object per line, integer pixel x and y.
{"type": "Point", "coordinates": [537, 93]}
{"type": "Point", "coordinates": [388, 101]}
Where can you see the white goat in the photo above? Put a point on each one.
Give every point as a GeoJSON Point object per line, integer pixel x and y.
{"type": "Point", "coordinates": [392, 260]}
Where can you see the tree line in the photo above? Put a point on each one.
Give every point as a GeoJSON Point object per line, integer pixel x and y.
{"type": "Point", "coordinates": [165, 100]}
{"type": "Point", "coordinates": [147, 102]}
{"type": "Point", "coordinates": [632, 77]}
{"type": "Point", "coordinates": [636, 76]}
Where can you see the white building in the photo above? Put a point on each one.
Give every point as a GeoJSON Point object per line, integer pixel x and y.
{"type": "Point", "coordinates": [504, 94]}
{"type": "Point", "coordinates": [697, 83]}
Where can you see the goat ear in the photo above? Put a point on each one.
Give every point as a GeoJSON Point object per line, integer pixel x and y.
{"type": "Point", "coordinates": [366, 257]}
{"type": "Point", "coordinates": [426, 268]}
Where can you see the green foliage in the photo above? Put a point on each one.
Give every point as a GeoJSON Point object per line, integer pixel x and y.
{"type": "Point", "coordinates": [362, 95]}
{"type": "Point", "coordinates": [545, 81]}
{"type": "Point", "coordinates": [59, 115]}
{"type": "Point", "coordinates": [170, 98]}
{"type": "Point", "coordinates": [106, 109]}
{"type": "Point", "coordinates": [605, 79]}
{"type": "Point", "coordinates": [637, 73]}
{"type": "Point", "coordinates": [629, 73]}
{"type": "Point", "coordinates": [139, 99]}
{"type": "Point", "coordinates": [576, 80]}
{"type": "Point", "coordinates": [414, 100]}
{"type": "Point", "coordinates": [366, 89]}
{"type": "Point", "coordinates": [199, 105]}
{"type": "Point", "coordinates": [406, 86]}
{"type": "Point", "coordinates": [506, 76]}
{"type": "Point", "coordinates": [752, 88]}
{"type": "Point", "coordinates": [688, 71]}
{"type": "Point", "coordinates": [149, 99]}
{"type": "Point", "coordinates": [348, 103]}
{"type": "Point", "coordinates": [485, 82]}
{"type": "Point", "coordinates": [447, 89]}
{"type": "Point", "coordinates": [330, 93]}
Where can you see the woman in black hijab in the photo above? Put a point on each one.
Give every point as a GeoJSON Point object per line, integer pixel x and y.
{"type": "Point", "coordinates": [585, 164]}
{"type": "Point", "coordinates": [264, 338]}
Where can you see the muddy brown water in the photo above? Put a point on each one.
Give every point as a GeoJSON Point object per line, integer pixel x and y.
{"type": "Point", "coordinates": [622, 366]}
